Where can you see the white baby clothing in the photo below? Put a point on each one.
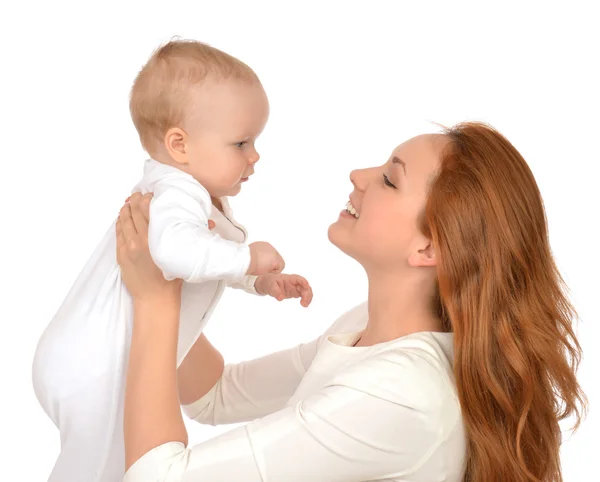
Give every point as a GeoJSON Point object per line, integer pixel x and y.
{"type": "Point", "coordinates": [80, 363]}
{"type": "Point", "coordinates": [178, 236]}
{"type": "Point", "coordinates": [331, 412]}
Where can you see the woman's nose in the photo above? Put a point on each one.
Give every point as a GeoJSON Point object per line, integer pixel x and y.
{"type": "Point", "coordinates": [359, 178]}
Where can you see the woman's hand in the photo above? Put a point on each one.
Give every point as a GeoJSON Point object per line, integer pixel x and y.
{"type": "Point", "coordinates": [151, 385]}
{"type": "Point", "coordinates": [141, 276]}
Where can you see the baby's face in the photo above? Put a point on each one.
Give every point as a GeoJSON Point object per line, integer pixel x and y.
{"type": "Point", "coordinates": [223, 125]}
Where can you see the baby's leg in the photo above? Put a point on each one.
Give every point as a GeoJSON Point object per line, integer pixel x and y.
{"type": "Point", "coordinates": [89, 426]}
{"type": "Point", "coordinates": [78, 377]}
{"type": "Point", "coordinates": [79, 366]}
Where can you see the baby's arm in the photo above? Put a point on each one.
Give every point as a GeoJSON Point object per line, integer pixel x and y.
{"type": "Point", "coordinates": [180, 242]}
{"type": "Point", "coordinates": [246, 284]}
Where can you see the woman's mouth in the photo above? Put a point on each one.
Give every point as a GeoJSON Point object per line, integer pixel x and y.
{"type": "Point", "coordinates": [350, 209]}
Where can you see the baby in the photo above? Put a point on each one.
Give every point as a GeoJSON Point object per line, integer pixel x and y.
{"type": "Point", "coordinates": [198, 112]}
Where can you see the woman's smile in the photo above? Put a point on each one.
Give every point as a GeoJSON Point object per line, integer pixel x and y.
{"type": "Point", "coordinates": [350, 209]}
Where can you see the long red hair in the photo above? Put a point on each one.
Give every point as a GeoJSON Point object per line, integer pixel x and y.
{"type": "Point", "coordinates": [516, 354]}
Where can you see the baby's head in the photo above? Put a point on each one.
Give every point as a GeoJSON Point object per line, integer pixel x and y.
{"type": "Point", "coordinates": [200, 110]}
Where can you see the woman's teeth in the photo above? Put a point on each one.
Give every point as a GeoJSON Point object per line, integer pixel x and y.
{"type": "Point", "coordinates": [351, 210]}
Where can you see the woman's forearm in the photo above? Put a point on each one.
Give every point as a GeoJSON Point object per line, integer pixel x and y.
{"type": "Point", "coordinates": [152, 410]}
{"type": "Point", "coordinates": [200, 371]}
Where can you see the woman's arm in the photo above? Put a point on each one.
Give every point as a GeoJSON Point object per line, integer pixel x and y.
{"type": "Point", "coordinates": [381, 418]}
{"type": "Point", "coordinates": [246, 390]}
{"type": "Point", "coordinates": [200, 371]}
{"type": "Point", "coordinates": [254, 388]}
{"type": "Point", "coordinates": [152, 411]}
{"type": "Point", "coordinates": [152, 414]}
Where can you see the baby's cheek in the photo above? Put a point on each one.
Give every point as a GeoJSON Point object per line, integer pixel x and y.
{"type": "Point", "coordinates": [232, 176]}
{"type": "Point", "coordinates": [226, 179]}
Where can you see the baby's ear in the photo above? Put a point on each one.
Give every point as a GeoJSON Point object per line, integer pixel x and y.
{"type": "Point", "coordinates": [175, 142]}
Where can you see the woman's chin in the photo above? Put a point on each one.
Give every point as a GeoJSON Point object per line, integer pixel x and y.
{"type": "Point", "coordinates": [341, 238]}
{"type": "Point", "coordinates": [338, 234]}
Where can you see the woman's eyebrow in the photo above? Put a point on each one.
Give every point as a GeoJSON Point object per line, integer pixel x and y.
{"type": "Point", "coordinates": [397, 160]}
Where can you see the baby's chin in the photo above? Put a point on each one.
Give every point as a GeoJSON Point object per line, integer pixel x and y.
{"type": "Point", "coordinates": [234, 191]}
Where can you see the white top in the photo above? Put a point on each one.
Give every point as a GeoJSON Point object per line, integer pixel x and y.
{"type": "Point", "coordinates": [80, 362]}
{"type": "Point", "coordinates": [180, 242]}
{"type": "Point", "coordinates": [331, 412]}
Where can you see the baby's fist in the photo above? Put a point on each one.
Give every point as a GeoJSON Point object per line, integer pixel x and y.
{"type": "Point", "coordinates": [264, 259]}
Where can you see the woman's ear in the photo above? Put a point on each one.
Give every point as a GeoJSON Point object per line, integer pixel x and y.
{"type": "Point", "coordinates": [176, 145]}
{"type": "Point", "coordinates": [423, 257]}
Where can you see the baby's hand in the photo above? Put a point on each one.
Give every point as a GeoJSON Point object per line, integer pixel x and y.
{"type": "Point", "coordinates": [284, 286]}
{"type": "Point", "coordinates": [264, 259]}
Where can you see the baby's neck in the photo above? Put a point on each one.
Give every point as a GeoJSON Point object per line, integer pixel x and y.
{"type": "Point", "coordinates": [164, 158]}
{"type": "Point", "coordinates": [217, 203]}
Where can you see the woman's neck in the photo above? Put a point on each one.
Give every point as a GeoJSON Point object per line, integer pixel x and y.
{"type": "Point", "coordinates": [399, 306]}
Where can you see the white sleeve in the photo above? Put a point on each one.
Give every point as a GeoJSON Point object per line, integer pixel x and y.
{"type": "Point", "coordinates": [255, 388]}
{"type": "Point", "coordinates": [381, 418]}
{"type": "Point", "coordinates": [180, 242]}
{"type": "Point", "coordinates": [246, 284]}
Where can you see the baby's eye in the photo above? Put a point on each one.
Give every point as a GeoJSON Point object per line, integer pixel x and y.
{"type": "Point", "coordinates": [387, 182]}
{"type": "Point", "coordinates": [240, 144]}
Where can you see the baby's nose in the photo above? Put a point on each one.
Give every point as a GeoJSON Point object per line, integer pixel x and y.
{"type": "Point", "coordinates": [253, 159]}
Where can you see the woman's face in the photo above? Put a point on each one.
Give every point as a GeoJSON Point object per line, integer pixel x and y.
{"type": "Point", "coordinates": [381, 231]}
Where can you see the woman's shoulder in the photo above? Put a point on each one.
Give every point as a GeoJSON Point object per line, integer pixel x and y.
{"type": "Point", "coordinates": [424, 357]}
{"type": "Point", "coordinates": [426, 351]}
{"type": "Point", "coordinates": [415, 371]}
{"type": "Point", "coordinates": [352, 320]}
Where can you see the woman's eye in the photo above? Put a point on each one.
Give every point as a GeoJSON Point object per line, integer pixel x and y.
{"type": "Point", "coordinates": [387, 182]}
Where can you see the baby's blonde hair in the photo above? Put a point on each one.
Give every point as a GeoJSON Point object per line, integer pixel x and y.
{"type": "Point", "coordinates": [161, 90]}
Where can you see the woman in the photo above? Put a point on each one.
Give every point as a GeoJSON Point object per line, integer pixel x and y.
{"type": "Point", "coordinates": [458, 368]}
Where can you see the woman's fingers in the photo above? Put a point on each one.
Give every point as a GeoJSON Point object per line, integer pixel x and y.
{"type": "Point", "coordinates": [145, 205]}
{"type": "Point", "coordinates": [120, 236]}
{"type": "Point", "coordinates": [140, 208]}
{"type": "Point", "coordinates": [123, 246]}
{"type": "Point", "coordinates": [127, 225]}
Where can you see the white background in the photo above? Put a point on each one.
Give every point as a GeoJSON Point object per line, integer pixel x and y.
{"type": "Point", "coordinates": [347, 82]}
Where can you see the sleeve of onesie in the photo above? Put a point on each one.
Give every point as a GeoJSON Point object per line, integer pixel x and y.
{"type": "Point", "coordinates": [180, 242]}
{"type": "Point", "coordinates": [379, 419]}
{"type": "Point", "coordinates": [259, 387]}
{"type": "Point", "coordinates": [246, 284]}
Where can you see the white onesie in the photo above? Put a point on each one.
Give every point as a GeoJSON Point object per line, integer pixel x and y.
{"type": "Point", "coordinates": [80, 363]}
